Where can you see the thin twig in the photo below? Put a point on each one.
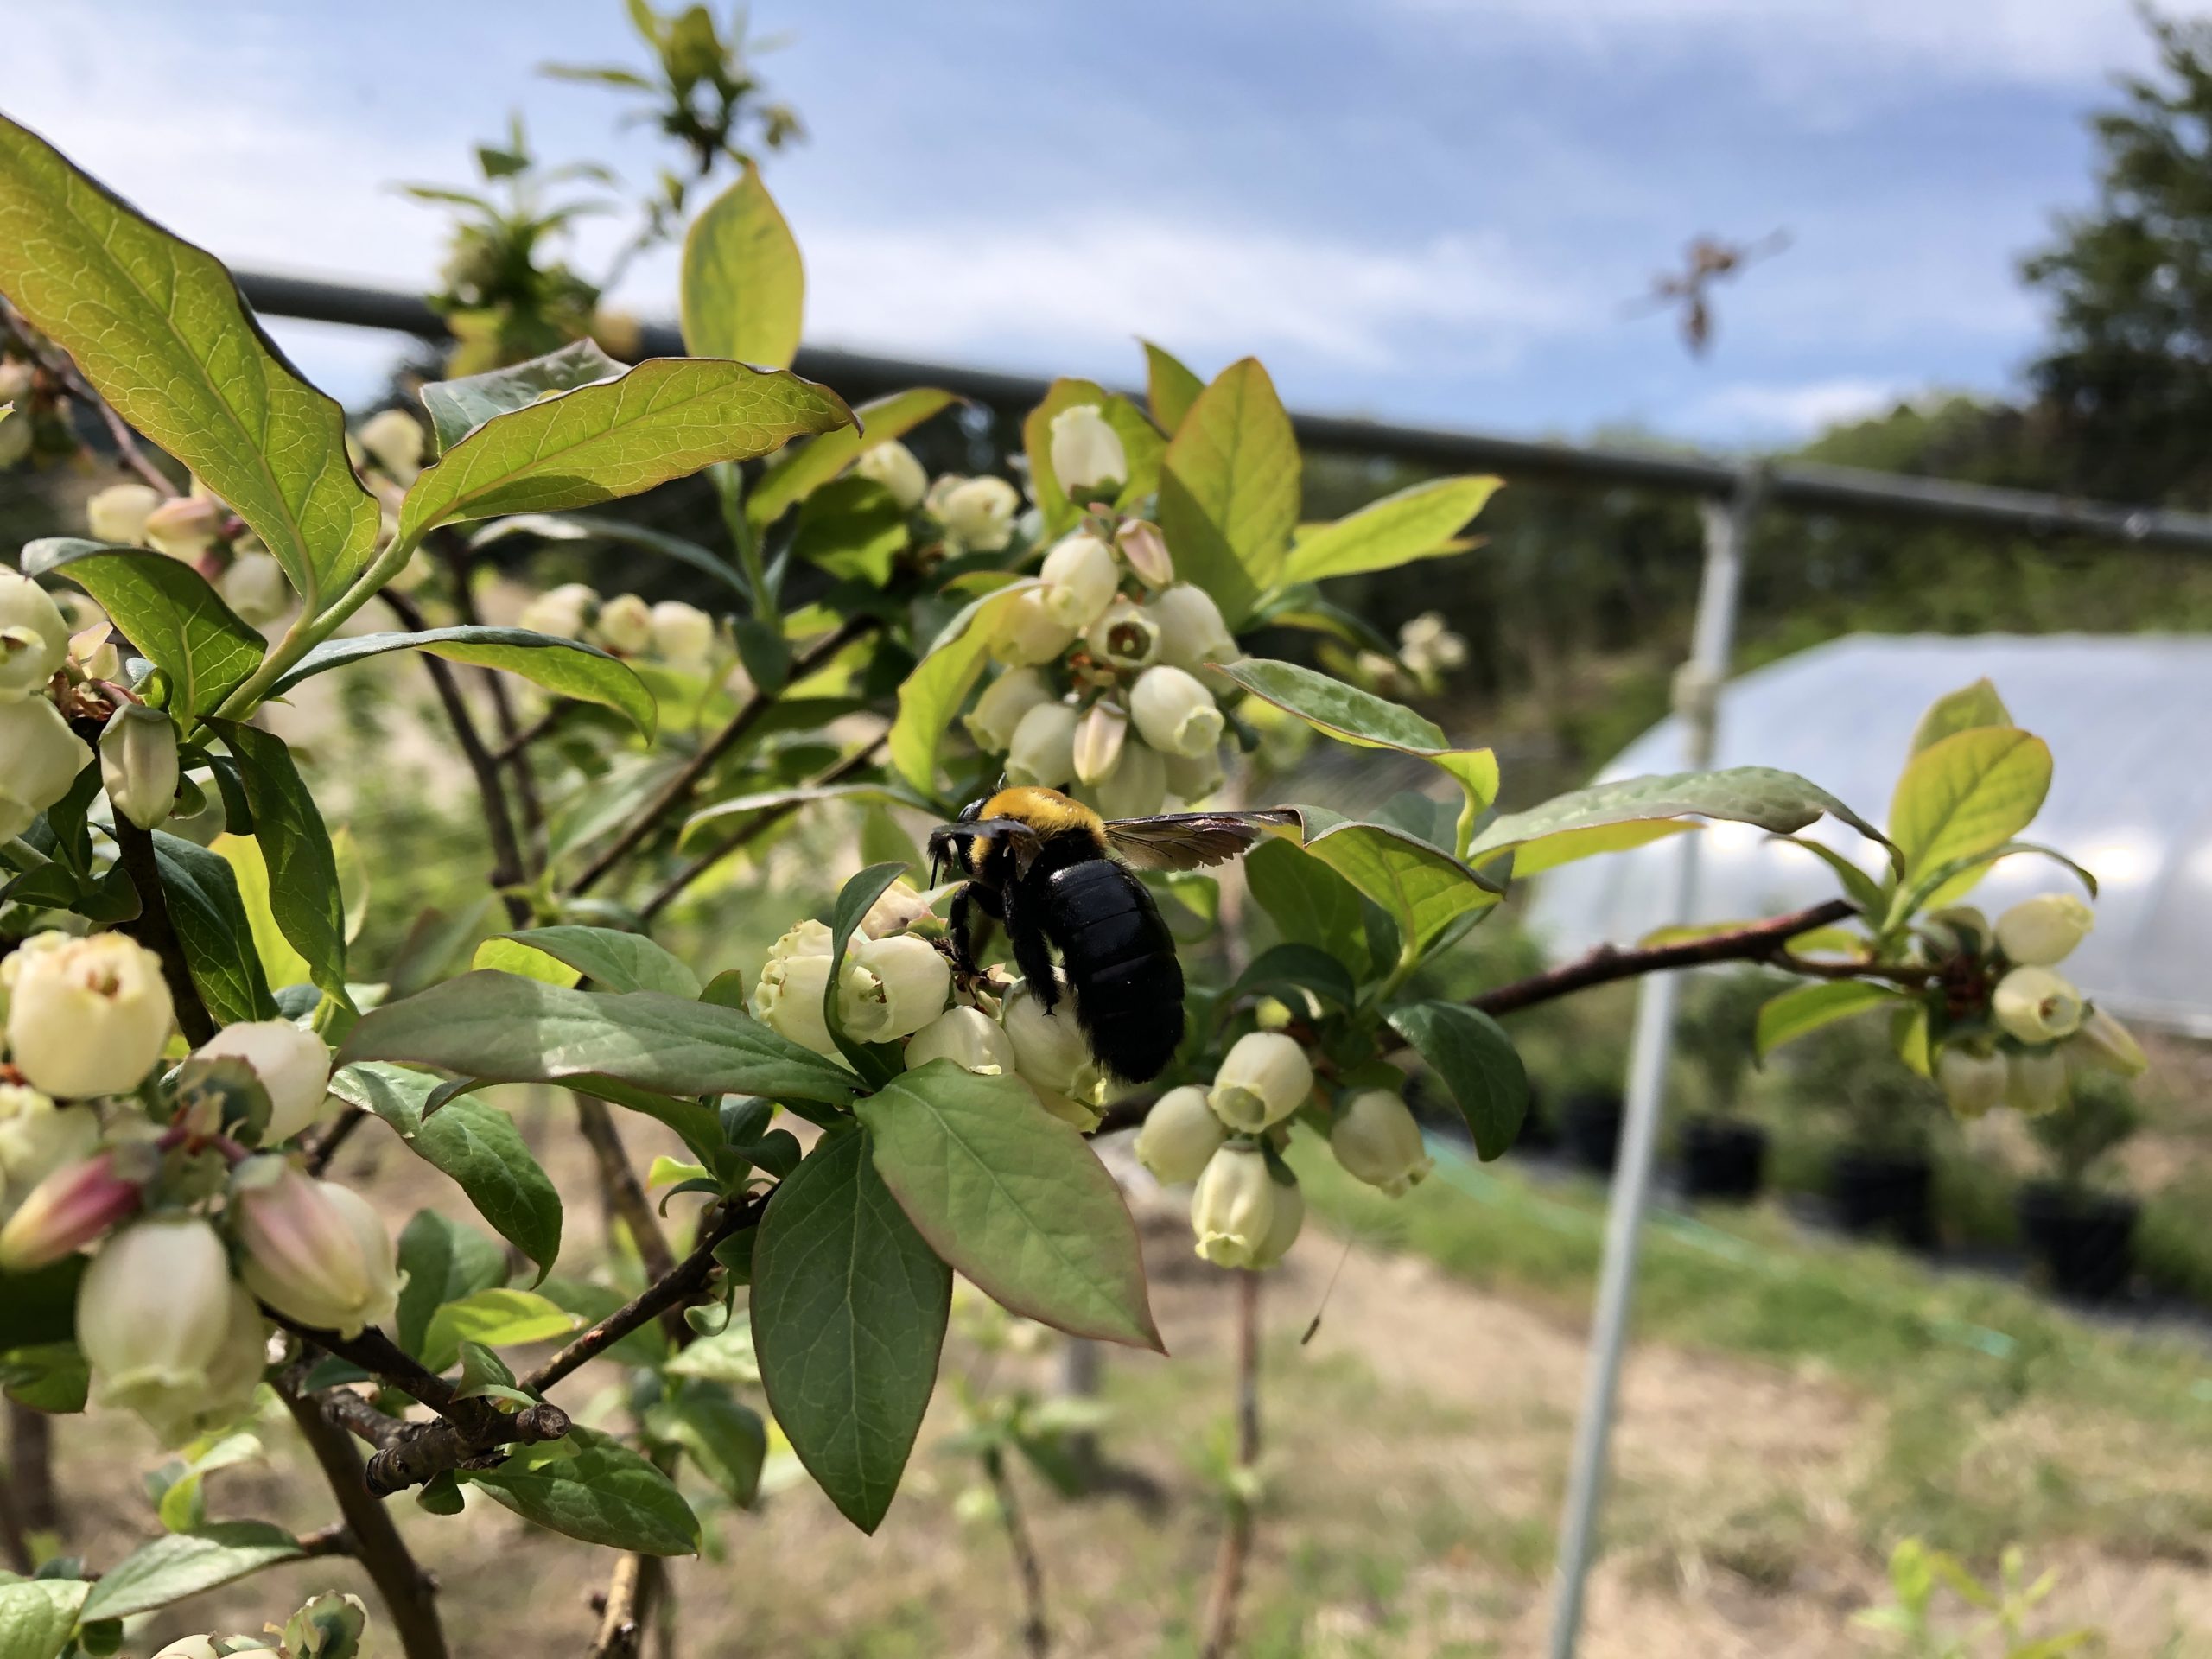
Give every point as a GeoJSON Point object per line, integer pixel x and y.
{"type": "Point", "coordinates": [151, 927]}
{"type": "Point", "coordinates": [1236, 1554]}
{"type": "Point", "coordinates": [677, 791]}
{"type": "Point", "coordinates": [626, 1196]}
{"type": "Point", "coordinates": [622, 1616]}
{"type": "Point", "coordinates": [30, 1470]}
{"type": "Point", "coordinates": [459, 565]}
{"type": "Point", "coordinates": [326, 1144]}
{"type": "Point", "coordinates": [1036, 1625]}
{"type": "Point", "coordinates": [560, 710]}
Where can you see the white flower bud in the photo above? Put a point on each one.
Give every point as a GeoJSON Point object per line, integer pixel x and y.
{"type": "Point", "coordinates": [1233, 1211]}
{"type": "Point", "coordinates": [806, 939]}
{"type": "Point", "coordinates": [1136, 788]}
{"type": "Point", "coordinates": [1050, 1050]}
{"type": "Point", "coordinates": [294, 1067]}
{"type": "Point", "coordinates": [2037, 932]}
{"type": "Point", "coordinates": [1030, 633]}
{"type": "Point", "coordinates": [1043, 750]}
{"type": "Point", "coordinates": [1264, 1077]}
{"type": "Point", "coordinates": [191, 1647]}
{"type": "Point", "coordinates": [2036, 1084]}
{"type": "Point", "coordinates": [1971, 1082]}
{"type": "Point", "coordinates": [1070, 1110]}
{"type": "Point", "coordinates": [1098, 738]}
{"type": "Point", "coordinates": [1174, 712]}
{"type": "Point", "coordinates": [1000, 710]}
{"type": "Point", "coordinates": [40, 758]}
{"type": "Point", "coordinates": [562, 612]}
{"type": "Point", "coordinates": [1191, 778]}
{"type": "Point", "coordinates": [118, 514]}
{"type": "Point", "coordinates": [186, 527]}
{"type": "Point", "coordinates": [897, 908]}
{"type": "Point", "coordinates": [86, 1016]}
{"type": "Point", "coordinates": [1428, 647]}
{"type": "Point", "coordinates": [314, 1251]}
{"type": "Point", "coordinates": [1080, 574]}
{"type": "Point", "coordinates": [970, 1039]}
{"type": "Point", "coordinates": [254, 587]}
{"type": "Point", "coordinates": [154, 1315]}
{"type": "Point", "coordinates": [892, 464]}
{"type": "Point", "coordinates": [393, 439]}
{"type": "Point", "coordinates": [625, 624]}
{"type": "Point", "coordinates": [1180, 1133]}
{"type": "Point", "coordinates": [34, 637]}
{"type": "Point", "coordinates": [892, 987]}
{"type": "Point", "coordinates": [788, 1000]}
{"type": "Point", "coordinates": [138, 764]}
{"type": "Point", "coordinates": [1124, 635]}
{"type": "Point", "coordinates": [2103, 1041]}
{"type": "Point", "coordinates": [978, 513]}
{"type": "Point", "coordinates": [1377, 1141]}
{"type": "Point", "coordinates": [38, 1137]}
{"type": "Point", "coordinates": [681, 634]}
{"type": "Point", "coordinates": [1146, 549]}
{"type": "Point", "coordinates": [2037, 1005]}
{"type": "Point", "coordinates": [1191, 633]}
{"type": "Point", "coordinates": [1284, 1224]}
{"type": "Point", "coordinates": [1087, 454]}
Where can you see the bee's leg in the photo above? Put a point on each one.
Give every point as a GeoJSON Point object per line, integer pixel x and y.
{"type": "Point", "coordinates": [1031, 952]}
{"type": "Point", "coordinates": [969, 920]}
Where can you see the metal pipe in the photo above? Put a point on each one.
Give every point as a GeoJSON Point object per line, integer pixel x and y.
{"type": "Point", "coordinates": [1803, 486]}
{"type": "Point", "coordinates": [1727, 525]}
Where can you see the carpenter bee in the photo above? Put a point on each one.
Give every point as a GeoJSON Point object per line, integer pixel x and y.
{"type": "Point", "coordinates": [1056, 876]}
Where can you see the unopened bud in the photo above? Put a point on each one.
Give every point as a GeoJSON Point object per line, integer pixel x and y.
{"type": "Point", "coordinates": [1971, 1082]}
{"type": "Point", "coordinates": [892, 464]}
{"type": "Point", "coordinates": [166, 1333]}
{"type": "Point", "coordinates": [118, 514]}
{"type": "Point", "coordinates": [86, 1016]}
{"type": "Point", "coordinates": [1088, 458]}
{"type": "Point", "coordinates": [896, 909]}
{"type": "Point", "coordinates": [683, 634]}
{"type": "Point", "coordinates": [1043, 750]}
{"type": "Point", "coordinates": [65, 1211]}
{"type": "Point", "coordinates": [186, 527]}
{"type": "Point", "coordinates": [254, 587]}
{"type": "Point", "coordinates": [1080, 574]}
{"type": "Point", "coordinates": [138, 764]}
{"type": "Point", "coordinates": [788, 1000]}
{"type": "Point", "coordinates": [1191, 778]}
{"type": "Point", "coordinates": [1174, 712]}
{"type": "Point", "coordinates": [1098, 737]}
{"type": "Point", "coordinates": [293, 1066]}
{"type": "Point", "coordinates": [563, 612]}
{"type": "Point", "coordinates": [393, 439]}
{"type": "Point", "coordinates": [1004, 702]}
{"type": "Point", "coordinates": [978, 512]}
{"type": "Point", "coordinates": [1232, 1211]}
{"type": "Point", "coordinates": [40, 758]}
{"type": "Point", "coordinates": [1264, 1077]}
{"type": "Point", "coordinates": [1285, 1222]}
{"type": "Point", "coordinates": [2036, 1084]}
{"type": "Point", "coordinates": [1180, 1133]}
{"type": "Point", "coordinates": [314, 1251]}
{"type": "Point", "coordinates": [34, 637]}
{"type": "Point", "coordinates": [1076, 1114]}
{"type": "Point", "coordinates": [1377, 1141]}
{"type": "Point", "coordinates": [2037, 932]}
{"type": "Point", "coordinates": [1137, 787]}
{"type": "Point", "coordinates": [1050, 1050]}
{"type": "Point", "coordinates": [1030, 633]}
{"type": "Point", "coordinates": [1192, 631]}
{"type": "Point", "coordinates": [625, 624]}
{"type": "Point", "coordinates": [1124, 636]}
{"type": "Point", "coordinates": [1146, 549]}
{"type": "Point", "coordinates": [2036, 1005]}
{"type": "Point", "coordinates": [2103, 1041]}
{"type": "Point", "coordinates": [970, 1039]}
{"type": "Point", "coordinates": [892, 987]}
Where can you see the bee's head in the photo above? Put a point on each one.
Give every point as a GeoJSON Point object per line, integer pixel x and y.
{"type": "Point", "coordinates": [950, 844]}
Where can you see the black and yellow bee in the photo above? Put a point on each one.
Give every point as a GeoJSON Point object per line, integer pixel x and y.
{"type": "Point", "coordinates": [1055, 875]}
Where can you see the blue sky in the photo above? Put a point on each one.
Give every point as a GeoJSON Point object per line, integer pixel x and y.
{"type": "Point", "coordinates": [1428, 209]}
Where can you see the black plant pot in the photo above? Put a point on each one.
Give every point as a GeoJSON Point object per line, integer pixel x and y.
{"type": "Point", "coordinates": [1590, 1129]}
{"type": "Point", "coordinates": [1724, 1159]}
{"type": "Point", "coordinates": [1883, 1192]}
{"type": "Point", "coordinates": [2084, 1242]}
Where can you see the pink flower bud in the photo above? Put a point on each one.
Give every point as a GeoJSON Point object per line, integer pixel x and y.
{"type": "Point", "coordinates": [314, 1250]}
{"type": "Point", "coordinates": [65, 1212]}
{"type": "Point", "coordinates": [1146, 549]}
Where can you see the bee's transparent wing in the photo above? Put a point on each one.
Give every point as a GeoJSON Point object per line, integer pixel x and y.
{"type": "Point", "coordinates": [1189, 840]}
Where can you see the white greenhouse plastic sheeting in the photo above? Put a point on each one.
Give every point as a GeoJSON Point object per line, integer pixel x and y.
{"type": "Point", "coordinates": [2129, 721]}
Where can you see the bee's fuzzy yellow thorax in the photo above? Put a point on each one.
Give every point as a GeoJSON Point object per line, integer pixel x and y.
{"type": "Point", "coordinates": [1045, 810]}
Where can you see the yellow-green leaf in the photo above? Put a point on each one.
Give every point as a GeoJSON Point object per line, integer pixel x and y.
{"type": "Point", "coordinates": [932, 694]}
{"type": "Point", "coordinates": [744, 286]}
{"type": "Point", "coordinates": [1420, 522]}
{"type": "Point", "coordinates": [1549, 852]}
{"type": "Point", "coordinates": [1424, 890]}
{"type": "Point", "coordinates": [1967, 793]}
{"type": "Point", "coordinates": [1170, 387]}
{"type": "Point", "coordinates": [279, 960]}
{"type": "Point", "coordinates": [506, 954]}
{"type": "Point", "coordinates": [1961, 710]}
{"type": "Point", "coordinates": [1229, 489]}
{"type": "Point", "coordinates": [790, 479]}
{"type": "Point", "coordinates": [1804, 1009]}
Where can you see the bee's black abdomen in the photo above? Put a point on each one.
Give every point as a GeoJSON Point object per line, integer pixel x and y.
{"type": "Point", "coordinates": [1120, 961]}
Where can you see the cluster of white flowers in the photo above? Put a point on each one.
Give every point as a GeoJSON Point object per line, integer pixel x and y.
{"type": "Point", "coordinates": [2038, 1020]}
{"type": "Point", "coordinates": [683, 636]}
{"type": "Point", "coordinates": [201, 530]}
{"type": "Point", "coordinates": [1427, 650]}
{"type": "Point", "coordinates": [897, 985]}
{"type": "Point", "coordinates": [170, 1329]}
{"type": "Point", "coordinates": [1248, 1210]}
{"type": "Point", "coordinates": [39, 756]}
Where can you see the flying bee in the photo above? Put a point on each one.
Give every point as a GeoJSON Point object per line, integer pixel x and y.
{"type": "Point", "coordinates": [1057, 877]}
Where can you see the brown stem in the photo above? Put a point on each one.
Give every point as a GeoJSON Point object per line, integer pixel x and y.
{"type": "Point", "coordinates": [327, 1143]}
{"type": "Point", "coordinates": [768, 816]}
{"type": "Point", "coordinates": [460, 565]}
{"type": "Point", "coordinates": [561, 709]}
{"type": "Point", "coordinates": [677, 791]}
{"type": "Point", "coordinates": [625, 1196]}
{"type": "Point", "coordinates": [623, 1608]}
{"type": "Point", "coordinates": [1237, 1541]}
{"type": "Point", "coordinates": [1036, 1626]}
{"type": "Point", "coordinates": [28, 1504]}
{"type": "Point", "coordinates": [409, 1592]}
{"type": "Point", "coordinates": [152, 928]}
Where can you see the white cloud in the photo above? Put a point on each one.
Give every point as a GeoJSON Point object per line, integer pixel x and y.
{"type": "Point", "coordinates": [1754, 411]}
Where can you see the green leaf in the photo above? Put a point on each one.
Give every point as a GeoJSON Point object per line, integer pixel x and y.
{"type": "Point", "coordinates": [617, 961]}
{"type": "Point", "coordinates": [510, 1030]}
{"type": "Point", "coordinates": [1549, 852]}
{"type": "Point", "coordinates": [1781, 802]}
{"type": "Point", "coordinates": [1805, 1009]}
{"type": "Point", "coordinates": [281, 965]}
{"type": "Point", "coordinates": [568, 668]}
{"type": "Point", "coordinates": [1141, 446]}
{"type": "Point", "coordinates": [852, 528]}
{"type": "Point", "coordinates": [184, 1564]}
{"type": "Point", "coordinates": [725, 1439]}
{"type": "Point", "coordinates": [1967, 793]}
{"type": "Point", "coordinates": [848, 1310]}
{"type": "Point", "coordinates": [443, 1260]}
{"type": "Point", "coordinates": [1423, 888]}
{"type": "Point", "coordinates": [39, 1306]}
{"type": "Point", "coordinates": [1478, 1063]}
{"type": "Point", "coordinates": [1419, 522]}
{"type": "Point", "coordinates": [1013, 1198]}
{"type": "Point", "coordinates": [1308, 901]}
{"type": "Point", "coordinates": [1170, 387]}
{"type": "Point", "coordinates": [729, 1356]}
{"type": "Point", "coordinates": [931, 696]}
{"type": "Point", "coordinates": [181, 1506]}
{"type": "Point", "coordinates": [473, 1142]}
{"type": "Point", "coordinates": [1296, 967]}
{"type": "Point", "coordinates": [666, 418]}
{"type": "Point", "coordinates": [160, 330]}
{"type": "Point", "coordinates": [1229, 489]}
{"type": "Point", "coordinates": [1858, 887]}
{"type": "Point", "coordinates": [1949, 882]}
{"type": "Point", "coordinates": [303, 892]}
{"type": "Point", "coordinates": [1367, 722]}
{"type": "Point", "coordinates": [790, 480]}
{"type": "Point", "coordinates": [591, 1302]}
{"type": "Point", "coordinates": [590, 527]}
{"type": "Point", "coordinates": [457, 408]}
{"type": "Point", "coordinates": [695, 1125]}
{"type": "Point", "coordinates": [211, 925]}
{"type": "Point", "coordinates": [854, 899]}
{"type": "Point", "coordinates": [167, 610]}
{"type": "Point", "coordinates": [497, 1317]}
{"type": "Point", "coordinates": [37, 1615]}
{"type": "Point", "coordinates": [1969, 706]}
{"type": "Point", "coordinates": [743, 285]}
{"type": "Point", "coordinates": [50, 1376]}
{"type": "Point", "coordinates": [502, 954]}
{"type": "Point", "coordinates": [695, 831]}
{"type": "Point", "coordinates": [591, 1487]}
